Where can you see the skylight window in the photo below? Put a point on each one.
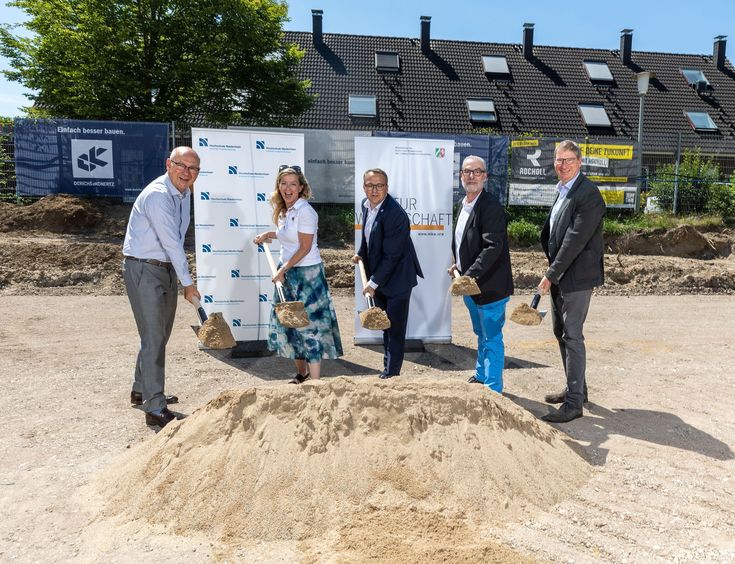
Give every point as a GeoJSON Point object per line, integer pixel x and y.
{"type": "Point", "coordinates": [482, 111]}
{"type": "Point", "coordinates": [694, 76]}
{"type": "Point", "coordinates": [387, 61]}
{"type": "Point", "coordinates": [594, 115]}
{"type": "Point", "coordinates": [495, 64]}
{"type": "Point", "coordinates": [362, 106]}
{"type": "Point", "coordinates": [598, 71]}
{"type": "Point", "coordinates": [701, 121]}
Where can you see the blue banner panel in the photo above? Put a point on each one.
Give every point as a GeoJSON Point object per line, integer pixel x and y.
{"type": "Point", "coordinates": [91, 158]}
{"type": "Point", "coordinates": [494, 149]}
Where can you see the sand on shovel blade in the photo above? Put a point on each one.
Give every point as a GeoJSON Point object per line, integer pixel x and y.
{"type": "Point", "coordinates": [464, 286]}
{"type": "Point", "coordinates": [292, 314]}
{"type": "Point", "coordinates": [524, 314]}
{"type": "Point", "coordinates": [215, 333]}
{"type": "Point", "coordinates": [374, 318]}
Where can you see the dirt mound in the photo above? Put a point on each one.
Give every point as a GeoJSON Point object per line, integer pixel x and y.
{"type": "Point", "coordinates": [63, 213]}
{"type": "Point", "coordinates": [683, 241]}
{"type": "Point", "coordinates": [339, 267]}
{"type": "Point", "coordinates": [364, 458]}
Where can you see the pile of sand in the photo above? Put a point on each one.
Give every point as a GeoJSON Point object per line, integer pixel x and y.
{"type": "Point", "coordinates": [368, 467]}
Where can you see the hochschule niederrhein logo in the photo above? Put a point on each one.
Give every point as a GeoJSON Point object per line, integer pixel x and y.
{"type": "Point", "coordinates": [232, 169]}
{"type": "Point", "coordinates": [203, 142]}
{"type": "Point", "coordinates": [260, 197]}
{"type": "Point", "coordinates": [259, 144]}
{"type": "Point", "coordinates": [92, 158]}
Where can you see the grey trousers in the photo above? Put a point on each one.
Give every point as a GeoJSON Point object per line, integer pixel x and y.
{"type": "Point", "coordinates": [153, 293]}
{"type": "Point", "coordinates": [568, 313]}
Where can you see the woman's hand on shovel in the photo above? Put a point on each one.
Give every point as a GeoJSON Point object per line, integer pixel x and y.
{"type": "Point", "coordinates": [266, 237]}
{"type": "Point", "coordinates": [280, 275]}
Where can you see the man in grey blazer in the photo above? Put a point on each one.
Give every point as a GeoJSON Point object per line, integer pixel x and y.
{"type": "Point", "coordinates": [572, 240]}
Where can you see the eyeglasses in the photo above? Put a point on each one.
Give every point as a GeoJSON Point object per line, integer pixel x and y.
{"type": "Point", "coordinates": [295, 168]}
{"type": "Point", "coordinates": [182, 167]}
{"type": "Point", "coordinates": [568, 161]}
{"type": "Point", "coordinates": [472, 171]}
{"type": "Point", "coordinates": [375, 187]}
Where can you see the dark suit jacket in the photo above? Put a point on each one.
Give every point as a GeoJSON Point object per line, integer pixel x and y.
{"type": "Point", "coordinates": [483, 252]}
{"type": "Point", "coordinates": [575, 246]}
{"type": "Point", "coordinates": [390, 258]}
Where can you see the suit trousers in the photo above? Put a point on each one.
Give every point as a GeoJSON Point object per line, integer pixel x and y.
{"type": "Point", "coordinates": [568, 313]}
{"type": "Point", "coordinates": [487, 323]}
{"type": "Point", "coordinates": [153, 293]}
{"type": "Point", "coordinates": [394, 338]}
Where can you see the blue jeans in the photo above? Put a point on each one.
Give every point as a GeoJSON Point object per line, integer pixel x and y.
{"type": "Point", "coordinates": [487, 323]}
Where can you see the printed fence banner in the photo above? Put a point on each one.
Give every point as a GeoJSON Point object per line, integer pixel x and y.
{"type": "Point", "coordinates": [329, 155]}
{"type": "Point", "coordinates": [612, 165]}
{"type": "Point", "coordinates": [98, 158]}
{"type": "Point", "coordinates": [420, 174]}
{"type": "Point", "coordinates": [231, 206]}
{"type": "Point", "coordinates": [494, 149]}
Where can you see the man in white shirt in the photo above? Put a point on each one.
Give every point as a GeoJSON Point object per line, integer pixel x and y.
{"type": "Point", "coordinates": [154, 262]}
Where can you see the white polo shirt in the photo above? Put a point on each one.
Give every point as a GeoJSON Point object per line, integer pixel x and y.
{"type": "Point", "coordinates": [300, 218]}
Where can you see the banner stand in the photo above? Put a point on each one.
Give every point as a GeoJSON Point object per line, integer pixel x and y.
{"type": "Point", "coordinates": [412, 345]}
{"type": "Point", "coordinates": [251, 349]}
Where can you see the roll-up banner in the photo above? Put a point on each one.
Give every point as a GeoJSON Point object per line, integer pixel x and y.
{"type": "Point", "coordinates": [420, 179]}
{"type": "Point", "coordinates": [231, 205]}
{"type": "Point", "coordinates": [612, 165]}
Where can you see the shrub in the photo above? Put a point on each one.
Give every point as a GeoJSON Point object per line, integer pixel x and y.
{"type": "Point", "coordinates": [696, 176]}
{"type": "Point", "coordinates": [722, 199]}
{"type": "Point", "coordinates": [523, 232]}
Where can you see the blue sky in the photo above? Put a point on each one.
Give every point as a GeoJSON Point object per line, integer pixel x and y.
{"type": "Point", "coordinates": [664, 26]}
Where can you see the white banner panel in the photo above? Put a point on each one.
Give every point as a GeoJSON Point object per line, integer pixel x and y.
{"type": "Point", "coordinates": [231, 206]}
{"type": "Point", "coordinates": [420, 179]}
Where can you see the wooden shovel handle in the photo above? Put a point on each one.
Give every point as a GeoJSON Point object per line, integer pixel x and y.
{"type": "Point", "coordinates": [363, 277]}
{"type": "Point", "coordinates": [269, 256]}
{"type": "Point", "coordinates": [456, 273]}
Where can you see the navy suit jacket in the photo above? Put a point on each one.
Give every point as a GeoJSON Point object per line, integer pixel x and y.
{"type": "Point", "coordinates": [390, 259]}
{"type": "Point", "coordinates": [574, 247]}
{"type": "Point", "coordinates": [484, 252]}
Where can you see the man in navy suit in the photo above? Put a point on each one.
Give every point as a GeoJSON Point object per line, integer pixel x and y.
{"type": "Point", "coordinates": [390, 262]}
{"type": "Point", "coordinates": [480, 250]}
{"type": "Point", "coordinates": [572, 240]}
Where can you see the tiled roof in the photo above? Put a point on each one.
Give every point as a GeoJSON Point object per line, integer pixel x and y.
{"type": "Point", "coordinates": [540, 95]}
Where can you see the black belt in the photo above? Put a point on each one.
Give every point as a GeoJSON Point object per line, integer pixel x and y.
{"type": "Point", "coordinates": [154, 262]}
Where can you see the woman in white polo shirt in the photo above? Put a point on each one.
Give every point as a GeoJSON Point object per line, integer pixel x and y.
{"type": "Point", "coordinates": [302, 273]}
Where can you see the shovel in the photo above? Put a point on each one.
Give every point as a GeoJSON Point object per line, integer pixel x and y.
{"type": "Point", "coordinates": [463, 285]}
{"type": "Point", "coordinates": [528, 315]}
{"type": "Point", "coordinates": [289, 314]}
{"type": "Point", "coordinates": [372, 318]}
{"type": "Point", "coordinates": [214, 332]}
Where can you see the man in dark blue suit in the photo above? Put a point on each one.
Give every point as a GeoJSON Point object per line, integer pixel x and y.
{"type": "Point", "coordinates": [390, 262]}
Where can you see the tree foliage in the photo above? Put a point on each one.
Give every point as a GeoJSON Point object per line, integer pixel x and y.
{"type": "Point", "coordinates": [157, 60]}
{"type": "Point", "coordinates": [696, 175]}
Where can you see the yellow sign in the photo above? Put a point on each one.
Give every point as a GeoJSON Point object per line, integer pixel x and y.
{"type": "Point", "coordinates": [624, 152]}
{"type": "Point", "coordinates": [613, 197]}
{"type": "Point", "coordinates": [524, 143]}
{"type": "Point", "coordinates": [615, 179]}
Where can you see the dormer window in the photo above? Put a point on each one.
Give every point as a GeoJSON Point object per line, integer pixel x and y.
{"type": "Point", "coordinates": [387, 61]}
{"type": "Point", "coordinates": [482, 111]}
{"type": "Point", "coordinates": [362, 106]}
{"type": "Point", "coordinates": [598, 71]}
{"type": "Point", "coordinates": [694, 76]}
{"type": "Point", "coordinates": [594, 115]}
{"type": "Point", "coordinates": [495, 65]}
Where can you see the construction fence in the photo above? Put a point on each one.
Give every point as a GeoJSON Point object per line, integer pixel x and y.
{"type": "Point", "coordinates": [676, 178]}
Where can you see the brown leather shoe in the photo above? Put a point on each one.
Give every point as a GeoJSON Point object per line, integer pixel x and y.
{"type": "Point", "coordinates": [162, 418]}
{"type": "Point", "coordinates": [136, 398]}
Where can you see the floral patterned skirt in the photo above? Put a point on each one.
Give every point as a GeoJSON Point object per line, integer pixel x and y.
{"type": "Point", "coordinates": [320, 339]}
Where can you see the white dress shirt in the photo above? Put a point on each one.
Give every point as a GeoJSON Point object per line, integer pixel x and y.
{"type": "Point", "coordinates": [464, 215]}
{"type": "Point", "coordinates": [157, 226]}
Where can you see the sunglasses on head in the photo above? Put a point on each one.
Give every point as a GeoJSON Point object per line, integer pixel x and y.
{"type": "Point", "coordinates": [295, 168]}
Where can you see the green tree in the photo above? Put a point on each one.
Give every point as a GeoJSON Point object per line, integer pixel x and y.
{"type": "Point", "coordinates": [157, 60]}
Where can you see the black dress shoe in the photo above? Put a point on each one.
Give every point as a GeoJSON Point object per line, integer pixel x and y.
{"type": "Point", "coordinates": [162, 418]}
{"type": "Point", "coordinates": [560, 397]}
{"type": "Point", "coordinates": [564, 414]}
{"type": "Point", "coordinates": [136, 398]}
{"type": "Point", "coordinates": [473, 380]}
{"type": "Point", "coordinates": [385, 376]}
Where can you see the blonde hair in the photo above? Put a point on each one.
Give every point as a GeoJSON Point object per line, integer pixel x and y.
{"type": "Point", "coordinates": [279, 206]}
